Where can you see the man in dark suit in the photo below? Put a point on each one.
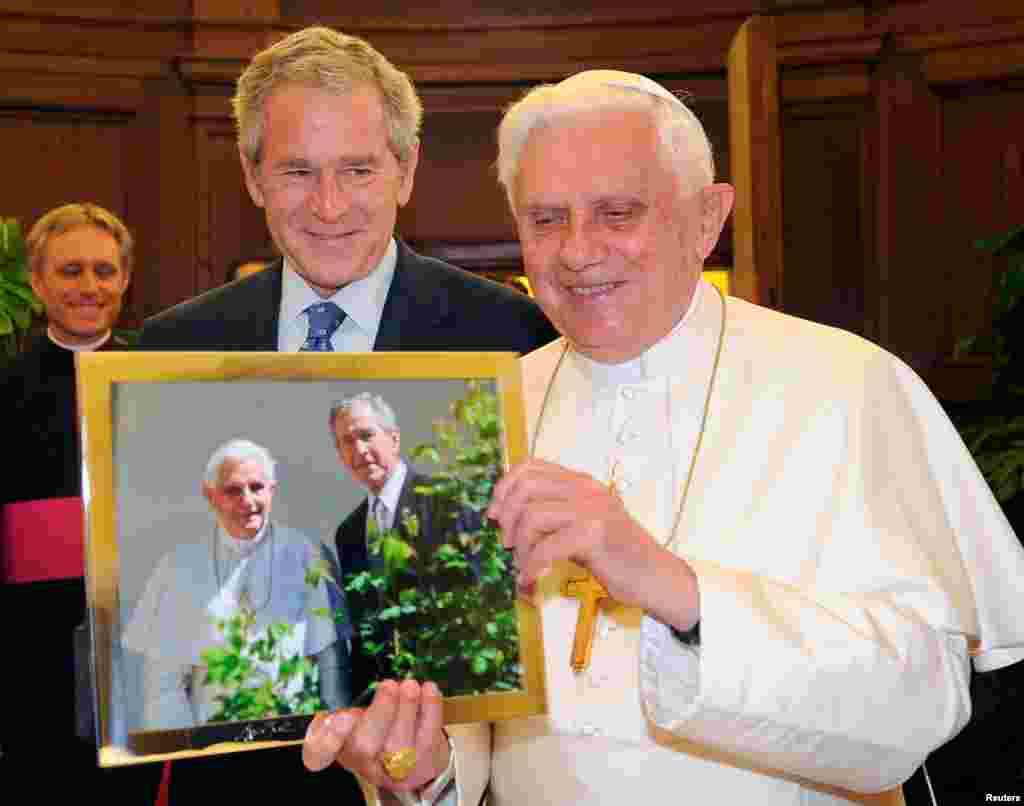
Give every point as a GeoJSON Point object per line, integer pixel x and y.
{"type": "Point", "coordinates": [368, 441]}
{"type": "Point", "coordinates": [80, 265]}
{"type": "Point", "coordinates": [329, 143]}
{"type": "Point", "coordinates": [328, 134]}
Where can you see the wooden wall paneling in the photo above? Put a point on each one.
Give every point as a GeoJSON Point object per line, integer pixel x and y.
{"type": "Point", "coordinates": [162, 189]}
{"type": "Point", "coordinates": [453, 55]}
{"type": "Point", "coordinates": [983, 138]}
{"type": "Point", "coordinates": [823, 147]}
{"type": "Point", "coordinates": [456, 196]}
{"type": "Point", "coordinates": [229, 226]}
{"type": "Point", "coordinates": [818, 84]}
{"type": "Point", "coordinates": [755, 159]}
{"type": "Point", "coordinates": [60, 155]}
{"type": "Point", "coordinates": [93, 9]}
{"type": "Point", "coordinates": [71, 121]}
{"type": "Point", "coordinates": [911, 234]}
{"type": "Point", "coordinates": [991, 60]}
{"type": "Point", "coordinates": [234, 10]}
{"type": "Point", "coordinates": [710, 104]}
{"type": "Point", "coordinates": [106, 37]}
{"type": "Point", "coordinates": [945, 15]}
{"type": "Point", "coordinates": [508, 13]}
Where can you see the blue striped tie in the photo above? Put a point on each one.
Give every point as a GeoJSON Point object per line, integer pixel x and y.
{"type": "Point", "coordinates": [324, 319]}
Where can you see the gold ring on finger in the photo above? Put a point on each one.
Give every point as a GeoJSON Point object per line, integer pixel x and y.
{"type": "Point", "coordinates": [398, 763]}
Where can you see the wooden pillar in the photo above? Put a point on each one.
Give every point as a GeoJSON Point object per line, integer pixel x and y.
{"type": "Point", "coordinates": [755, 158]}
{"type": "Point", "coordinates": [161, 192]}
{"type": "Point", "coordinates": [909, 227]}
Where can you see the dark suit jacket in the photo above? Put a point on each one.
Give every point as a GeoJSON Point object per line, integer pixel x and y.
{"type": "Point", "coordinates": [49, 642]}
{"type": "Point", "coordinates": [435, 525]}
{"type": "Point", "coordinates": [431, 306]}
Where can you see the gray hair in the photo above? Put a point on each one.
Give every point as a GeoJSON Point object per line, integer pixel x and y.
{"type": "Point", "coordinates": [379, 406]}
{"type": "Point", "coordinates": [684, 143]}
{"type": "Point", "coordinates": [238, 450]}
{"type": "Point", "coordinates": [332, 61]}
{"type": "Point", "coordinates": [72, 216]}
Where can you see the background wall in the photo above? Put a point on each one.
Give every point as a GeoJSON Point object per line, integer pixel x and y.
{"type": "Point", "coordinates": [901, 126]}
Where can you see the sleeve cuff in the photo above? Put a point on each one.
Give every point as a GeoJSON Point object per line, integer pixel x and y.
{"type": "Point", "coordinates": [433, 793]}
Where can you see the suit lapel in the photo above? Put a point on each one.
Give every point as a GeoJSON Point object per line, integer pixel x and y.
{"type": "Point", "coordinates": [413, 306]}
{"type": "Point", "coordinates": [261, 332]}
{"type": "Point", "coordinates": [352, 541]}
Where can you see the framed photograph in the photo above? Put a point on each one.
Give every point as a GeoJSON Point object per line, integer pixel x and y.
{"type": "Point", "coordinates": [269, 535]}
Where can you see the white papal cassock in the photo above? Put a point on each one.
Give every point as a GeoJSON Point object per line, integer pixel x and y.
{"type": "Point", "coordinates": [849, 557]}
{"type": "Point", "coordinates": [199, 583]}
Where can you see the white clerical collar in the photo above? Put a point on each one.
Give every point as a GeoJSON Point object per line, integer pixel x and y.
{"type": "Point", "coordinates": [361, 300]}
{"type": "Point", "coordinates": [79, 348]}
{"type": "Point", "coordinates": [660, 359]}
{"type": "Point", "coordinates": [392, 488]}
{"type": "Point", "coordinates": [242, 548]}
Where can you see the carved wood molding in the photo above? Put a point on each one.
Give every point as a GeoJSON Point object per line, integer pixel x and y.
{"type": "Point", "coordinates": [36, 79]}
{"type": "Point", "coordinates": [984, 41]}
{"type": "Point", "coordinates": [488, 255]}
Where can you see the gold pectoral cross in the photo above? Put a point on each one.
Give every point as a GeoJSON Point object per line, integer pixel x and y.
{"type": "Point", "coordinates": [590, 592]}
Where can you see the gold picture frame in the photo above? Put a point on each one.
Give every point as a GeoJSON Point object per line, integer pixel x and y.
{"type": "Point", "coordinates": [150, 422]}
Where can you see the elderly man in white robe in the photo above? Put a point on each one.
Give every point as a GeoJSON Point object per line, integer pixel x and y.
{"type": "Point", "coordinates": [247, 561]}
{"type": "Point", "coordinates": [790, 489]}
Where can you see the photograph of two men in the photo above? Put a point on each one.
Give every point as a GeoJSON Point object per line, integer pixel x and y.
{"type": "Point", "coordinates": [276, 547]}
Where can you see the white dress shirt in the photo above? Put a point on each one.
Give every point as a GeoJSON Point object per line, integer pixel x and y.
{"type": "Point", "coordinates": [389, 494]}
{"type": "Point", "coordinates": [362, 301]}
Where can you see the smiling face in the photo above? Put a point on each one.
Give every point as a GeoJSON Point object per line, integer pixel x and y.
{"type": "Point", "coordinates": [612, 242]}
{"type": "Point", "coordinates": [81, 283]}
{"type": "Point", "coordinates": [328, 182]}
{"type": "Point", "coordinates": [241, 498]}
{"type": "Point", "coordinates": [370, 452]}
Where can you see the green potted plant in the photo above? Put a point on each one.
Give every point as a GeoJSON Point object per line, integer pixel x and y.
{"type": "Point", "coordinates": [994, 431]}
{"type": "Point", "coordinates": [18, 303]}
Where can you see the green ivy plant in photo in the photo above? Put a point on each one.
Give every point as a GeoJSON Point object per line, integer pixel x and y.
{"type": "Point", "coordinates": [450, 617]}
{"type": "Point", "coordinates": [254, 674]}
{"type": "Point", "coordinates": [995, 435]}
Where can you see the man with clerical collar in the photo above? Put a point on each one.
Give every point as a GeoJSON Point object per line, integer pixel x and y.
{"type": "Point", "coordinates": [792, 490]}
{"type": "Point", "coordinates": [80, 266]}
{"type": "Point", "coordinates": [248, 565]}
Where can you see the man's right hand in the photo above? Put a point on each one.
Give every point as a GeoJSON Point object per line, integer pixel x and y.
{"type": "Point", "coordinates": [400, 716]}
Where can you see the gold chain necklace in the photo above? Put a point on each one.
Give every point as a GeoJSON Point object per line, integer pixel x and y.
{"type": "Point", "coordinates": [585, 587]}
